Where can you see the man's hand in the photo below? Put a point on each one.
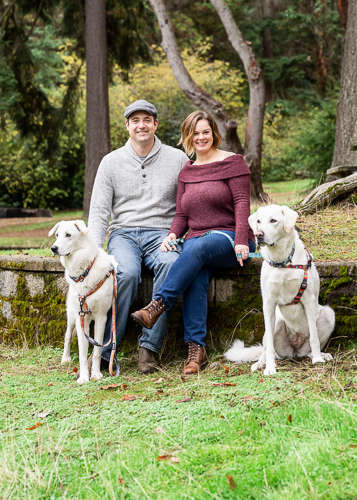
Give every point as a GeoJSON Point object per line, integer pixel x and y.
{"type": "Point", "coordinates": [242, 249]}
{"type": "Point", "coordinates": [165, 244]}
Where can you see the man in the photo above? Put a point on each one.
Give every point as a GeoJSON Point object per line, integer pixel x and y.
{"type": "Point", "coordinates": [136, 185]}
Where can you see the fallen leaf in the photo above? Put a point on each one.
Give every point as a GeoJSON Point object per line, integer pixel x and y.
{"type": "Point", "coordinates": [226, 369]}
{"type": "Point", "coordinates": [213, 365]}
{"type": "Point", "coordinates": [33, 427]}
{"type": "Point", "coordinates": [267, 391]}
{"type": "Point", "coordinates": [239, 432]}
{"type": "Point", "coordinates": [75, 370]}
{"type": "Point", "coordinates": [290, 418]}
{"type": "Point", "coordinates": [49, 384]}
{"type": "Point", "coordinates": [184, 400]}
{"type": "Point", "coordinates": [167, 457]}
{"type": "Point", "coordinates": [159, 391]}
{"type": "Point", "coordinates": [159, 381]}
{"type": "Point", "coordinates": [231, 482]}
{"type": "Point", "coordinates": [158, 430]}
{"type": "Point", "coordinates": [263, 423]}
{"type": "Point", "coordinates": [162, 457]}
{"type": "Point", "coordinates": [222, 416]}
{"type": "Point", "coordinates": [124, 386]}
{"type": "Point", "coordinates": [106, 387]}
{"type": "Point", "coordinates": [44, 414]}
{"type": "Point", "coordinates": [224, 384]}
{"type": "Point", "coordinates": [183, 378]}
{"type": "Point", "coordinates": [353, 445]}
{"type": "Point", "coordinates": [245, 400]}
{"type": "Point", "coordinates": [128, 397]}
{"type": "Point", "coordinates": [309, 381]}
{"type": "Point", "coordinates": [260, 381]}
{"type": "Point", "coordinates": [121, 480]}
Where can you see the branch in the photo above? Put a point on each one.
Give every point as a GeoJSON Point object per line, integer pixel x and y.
{"type": "Point", "coordinates": [198, 96]}
{"type": "Point", "coordinates": [7, 8]}
{"type": "Point", "coordinates": [34, 22]}
{"type": "Point", "coordinates": [324, 195]}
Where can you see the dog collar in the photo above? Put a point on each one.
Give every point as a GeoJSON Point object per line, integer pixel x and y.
{"type": "Point", "coordinates": [82, 276]}
{"type": "Point", "coordinates": [286, 262]}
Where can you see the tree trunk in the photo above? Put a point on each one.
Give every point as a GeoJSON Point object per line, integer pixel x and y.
{"type": "Point", "coordinates": [204, 101]}
{"type": "Point", "coordinates": [325, 194]}
{"type": "Point", "coordinates": [347, 103]}
{"type": "Point", "coordinates": [97, 113]}
{"type": "Point", "coordinates": [255, 119]}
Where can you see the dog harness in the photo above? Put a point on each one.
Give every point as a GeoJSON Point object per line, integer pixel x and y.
{"type": "Point", "coordinates": [286, 264]}
{"type": "Point", "coordinates": [305, 267]}
{"type": "Point", "coordinates": [85, 310]}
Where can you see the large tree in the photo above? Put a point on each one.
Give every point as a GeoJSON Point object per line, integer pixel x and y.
{"type": "Point", "coordinates": [228, 128]}
{"type": "Point", "coordinates": [343, 155]}
{"type": "Point", "coordinates": [97, 109]}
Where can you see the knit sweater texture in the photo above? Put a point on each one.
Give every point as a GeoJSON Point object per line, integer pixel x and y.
{"type": "Point", "coordinates": [214, 196]}
{"type": "Point", "coordinates": [135, 193]}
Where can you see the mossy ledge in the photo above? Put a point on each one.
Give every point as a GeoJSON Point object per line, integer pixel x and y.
{"type": "Point", "coordinates": [33, 294]}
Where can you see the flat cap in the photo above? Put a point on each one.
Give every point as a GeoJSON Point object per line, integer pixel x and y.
{"type": "Point", "coordinates": [140, 105]}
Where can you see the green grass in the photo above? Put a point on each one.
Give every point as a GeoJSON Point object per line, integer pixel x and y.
{"type": "Point", "coordinates": [291, 436]}
{"type": "Point", "coordinates": [297, 185]}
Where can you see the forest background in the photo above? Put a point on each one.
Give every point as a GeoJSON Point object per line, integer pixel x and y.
{"type": "Point", "coordinates": [43, 81]}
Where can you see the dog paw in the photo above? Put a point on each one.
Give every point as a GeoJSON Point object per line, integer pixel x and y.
{"type": "Point", "coordinates": [97, 376]}
{"type": "Point", "coordinates": [83, 379]}
{"type": "Point", "coordinates": [255, 366]}
{"type": "Point", "coordinates": [66, 359]}
{"type": "Point", "coordinates": [270, 370]}
{"type": "Point", "coordinates": [318, 359]}
{"type": "Point", "coordinates": [327, 356]}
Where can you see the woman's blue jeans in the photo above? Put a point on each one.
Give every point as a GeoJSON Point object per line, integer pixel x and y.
{"type": "Point", "coordinates": [189, 276]}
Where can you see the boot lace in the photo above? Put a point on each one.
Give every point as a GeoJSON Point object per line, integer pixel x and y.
{"type": "Point", "coordinates": [193, 352]}
{"type": "Point", "coordinates": [154, 307]}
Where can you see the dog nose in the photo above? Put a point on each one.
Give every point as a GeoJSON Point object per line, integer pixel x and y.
{"type": "Point", "coordinates": [54, 249]}
{"type": "Point", "coordinates": [259, 235]}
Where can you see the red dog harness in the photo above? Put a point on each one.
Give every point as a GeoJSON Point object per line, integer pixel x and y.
{"type": "Point", "coordinates": [85, 310]}
{"type": "Point", "coordinates": [305, 267]}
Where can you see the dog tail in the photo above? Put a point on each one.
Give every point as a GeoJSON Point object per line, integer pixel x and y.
{"type": "Point", "coordinates": [240, 354]}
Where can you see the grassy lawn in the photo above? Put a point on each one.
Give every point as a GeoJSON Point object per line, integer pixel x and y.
{"type": "Point", "coordinates": [290, 436]}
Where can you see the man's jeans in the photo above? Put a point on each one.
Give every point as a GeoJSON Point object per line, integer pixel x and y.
{"type": "Point", "coordinates": [189, 276]}
{"type": "Point", "coordinates": [132, 247]}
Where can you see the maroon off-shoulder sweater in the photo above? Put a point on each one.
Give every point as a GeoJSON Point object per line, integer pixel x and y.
{"type": "Point", "coordinates": [214, 196]}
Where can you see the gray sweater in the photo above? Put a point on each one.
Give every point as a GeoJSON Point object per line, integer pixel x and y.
{"type": "Point", "coordinates": [133, 192]}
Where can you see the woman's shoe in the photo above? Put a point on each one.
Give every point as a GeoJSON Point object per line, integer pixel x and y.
{"type": "Point", "coordinates": [197, 359]}
{"type": "Point", "coordinates": [148, 316]}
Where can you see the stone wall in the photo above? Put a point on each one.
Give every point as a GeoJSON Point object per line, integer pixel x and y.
{"type": "Point", "coordinates": [33, 293]}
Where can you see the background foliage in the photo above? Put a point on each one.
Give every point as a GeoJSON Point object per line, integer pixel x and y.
{"type": "Point", "coordinates": [42, 85]}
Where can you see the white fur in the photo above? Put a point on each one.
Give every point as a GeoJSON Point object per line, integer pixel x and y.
{"type": "Point", "coordinates": [77, 250]}
{"type": "Point", "coordinates": [301, 329]}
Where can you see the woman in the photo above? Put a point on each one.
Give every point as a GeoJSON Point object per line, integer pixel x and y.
{"type": "Point", "coordinates": [213, 194]}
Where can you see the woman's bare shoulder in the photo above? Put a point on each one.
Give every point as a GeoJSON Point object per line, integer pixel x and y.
{"type": "Point", "coordinates": [226, 154]}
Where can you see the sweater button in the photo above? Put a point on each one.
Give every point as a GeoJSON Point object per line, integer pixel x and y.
{"type": "Point", "coordinates": [144, 175]}
{"type": "Point", "coordinates": [142, 166]}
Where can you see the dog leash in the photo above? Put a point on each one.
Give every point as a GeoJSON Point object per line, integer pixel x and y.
{"type": "Point", "coordinates": [251, 255]}
{"type": "Point", "coordinates": [284, 264]}
{"type": "Point", "coordinates": [85, 310]}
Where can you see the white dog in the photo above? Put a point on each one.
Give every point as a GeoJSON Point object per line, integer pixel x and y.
{"type": "Point", "coordinates": [86, 265]}
{"type": "Point", "coordinates": [295, 323]}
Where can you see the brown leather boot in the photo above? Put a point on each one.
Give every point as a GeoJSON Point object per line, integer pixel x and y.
{"type": "Point", "coordinates": [196, 360]}
{"type": "Point", "coordinates": [147, 361]}
{"type": "Point", "coordinates": [148, 316]}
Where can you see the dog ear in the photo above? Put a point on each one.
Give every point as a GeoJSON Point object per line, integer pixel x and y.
{"type": "Point", "coordinates": [53, 230]}
{"type": "Point", "coordinates": [252, 219]}
{"type": "Point", "coordinates": [290, 218]}
{"type": "Point", "coordinates": [81, 226]}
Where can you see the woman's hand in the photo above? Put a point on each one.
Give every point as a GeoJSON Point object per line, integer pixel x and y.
{"type": "Point", "coordinates": [242, 249]}
{"type": "Point", "coordinates": [165, 244]}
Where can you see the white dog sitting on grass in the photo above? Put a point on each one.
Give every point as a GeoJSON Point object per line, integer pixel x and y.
{"type": "Point", "coordinates": [295, 323]}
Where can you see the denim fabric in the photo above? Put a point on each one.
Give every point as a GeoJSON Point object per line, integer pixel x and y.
{"type": "Point", "coordinates": [132, 248]}
{"type": "Point", "coordinates": [189, 276]}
